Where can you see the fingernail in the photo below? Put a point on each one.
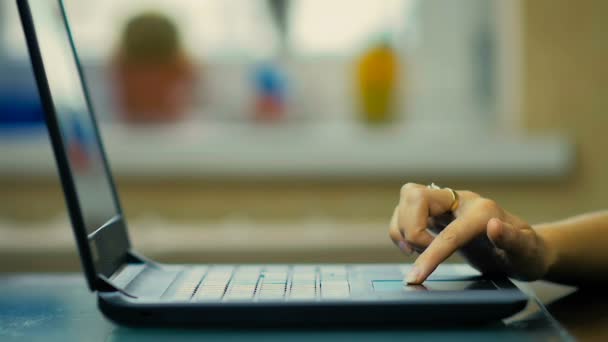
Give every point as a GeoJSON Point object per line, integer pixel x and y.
{"type": "Point", "coordinates": [405, 248]}
{"type": "Point", "coordinates": [413, 275]}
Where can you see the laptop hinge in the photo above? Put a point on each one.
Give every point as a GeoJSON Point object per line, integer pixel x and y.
{"type": "Point", "coordinates": [106, 285]}
{"type": "Point", "coordinates": [136, 258]}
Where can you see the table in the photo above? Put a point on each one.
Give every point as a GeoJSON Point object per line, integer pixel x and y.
{"type": "Point", "coordinates": [59, 307]}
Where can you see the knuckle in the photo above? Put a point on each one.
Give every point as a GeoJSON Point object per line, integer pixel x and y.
{"type": "Point", "coordinates": [395, 235]}
{"type": "Point", "coordinates": [488, 205]}
{"type": "Point", "coordinates": [409, 187]}
{"type": "Point", "coordinates": [415, 238]}
{"type": "Point", "coordinates": [466, 195]}
{"type": "Point", "coordinates": [412, 192]}
{"type": "Point", "coordinates": [470, 194]}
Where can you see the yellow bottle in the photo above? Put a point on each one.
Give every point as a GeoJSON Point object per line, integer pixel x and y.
{"type": "Point", "coordinates": [377, 80]}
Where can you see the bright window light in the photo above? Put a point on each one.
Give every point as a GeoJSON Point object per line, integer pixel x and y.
{"type": "Point", "coordinates": [210, 28]}
{"type": "Point", "coordinates": [321, 27]}
{"type": "Point", "coordinates": [230, 28]}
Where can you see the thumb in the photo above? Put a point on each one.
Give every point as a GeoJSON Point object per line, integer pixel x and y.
{"type": "Point", "coordinates": [507, 237]}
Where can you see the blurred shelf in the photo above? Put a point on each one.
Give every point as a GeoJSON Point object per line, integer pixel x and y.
{"type": "Point", "coordinates": [49, 245]}
{"type": "Point", "coordinates": [337, 151]}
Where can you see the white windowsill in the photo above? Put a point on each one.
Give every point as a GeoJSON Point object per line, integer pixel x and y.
{"type": "Point", "coordinates": [310, 151]}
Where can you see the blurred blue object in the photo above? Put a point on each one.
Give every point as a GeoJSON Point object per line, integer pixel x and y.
{"type": "Point", "coordinates": [20, 105]}
{"type": "Point", "coordinates": [269, 80]}
{"type": "Point", "coordinates": [270, 87]}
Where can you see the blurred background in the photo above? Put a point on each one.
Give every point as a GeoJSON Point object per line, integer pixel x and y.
{"type": "Point", "coordinates": [282, 130]}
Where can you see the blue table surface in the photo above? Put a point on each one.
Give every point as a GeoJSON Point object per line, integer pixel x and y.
{"type": "Point", "coordinates": [59, 307]}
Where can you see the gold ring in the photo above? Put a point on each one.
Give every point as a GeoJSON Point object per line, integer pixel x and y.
{"type": "Point", "coordinates": [455, 199]}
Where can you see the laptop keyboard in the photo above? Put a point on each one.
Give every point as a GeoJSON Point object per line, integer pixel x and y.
{"type": "Point", "coordinates": [262, 283]}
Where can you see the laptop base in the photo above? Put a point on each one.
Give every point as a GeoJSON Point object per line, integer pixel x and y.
{"type": "Point", "coordinates": [454, 295]}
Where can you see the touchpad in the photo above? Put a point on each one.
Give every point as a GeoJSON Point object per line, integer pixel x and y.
{"type": "Point", "coordinates": [392, 286]}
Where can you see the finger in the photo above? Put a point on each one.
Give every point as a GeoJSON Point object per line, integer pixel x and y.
{"type": "Point", "coordinates": [454, 236]}
{"type": "Point", "coordinates": [417, 202]}
{"type": "Point", "coordinates": [412, 222]}
{"type": "Point", "coordinates": [396, 235]}
{"type": "Point", "coordinates": [440, 201]}
{"type": "Point", "coordinates": [507, 237]}
{"type": "Point", "coordinates": [413, 214]}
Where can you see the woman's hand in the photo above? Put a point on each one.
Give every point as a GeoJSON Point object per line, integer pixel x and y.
{"type": "Point", "coordinates": [490, 238]}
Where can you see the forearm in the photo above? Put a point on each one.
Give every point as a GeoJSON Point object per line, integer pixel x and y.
{"type": "Point", "coordinates": [577, 249]}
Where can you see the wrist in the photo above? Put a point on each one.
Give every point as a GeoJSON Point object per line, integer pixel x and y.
{"type": "Point", "coordinates": [549, 249]}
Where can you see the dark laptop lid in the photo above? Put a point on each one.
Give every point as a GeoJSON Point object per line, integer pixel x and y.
{"type": "Point", "coordinates": [90, 194]}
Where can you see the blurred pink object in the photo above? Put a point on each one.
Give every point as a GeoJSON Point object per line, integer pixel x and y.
{"type": "Point", "coordinates": [154, 78]}
{"type": "Point", "coordinates": [154, 92]}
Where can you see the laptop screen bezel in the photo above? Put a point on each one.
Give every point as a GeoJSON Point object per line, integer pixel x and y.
{"type": "Point", "coordinates": [106, 250]}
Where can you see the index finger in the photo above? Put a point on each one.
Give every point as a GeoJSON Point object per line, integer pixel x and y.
{"type": "Point", "coordinates": [454, 236]}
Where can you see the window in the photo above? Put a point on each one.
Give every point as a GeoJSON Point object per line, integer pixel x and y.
{"type": "Point", "coordinates": [314, 22]}
{"type": "Point", "coordinates": [211, 28]}
{"type": "Point", "coordinates": [229, 28]}
{"type": "Point", "coordinates": [459, 63]}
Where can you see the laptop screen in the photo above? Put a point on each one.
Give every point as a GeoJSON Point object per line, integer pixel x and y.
{"type": "Point", "coordinates": [85, 159]}
{"type": "Point", "coordinates": [94, 208]}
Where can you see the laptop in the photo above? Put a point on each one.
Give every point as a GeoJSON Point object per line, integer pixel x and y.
{"type": "Point", "coordinates": [134, 290]}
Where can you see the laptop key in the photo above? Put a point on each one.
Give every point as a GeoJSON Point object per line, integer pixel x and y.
{"type": "Point", "coordinates": [273, 290]}
{"type": "Point", "coordinates": [239, 295]}
{"type": "Point", "coordinates": [335, 290]}
{"type": "Point", "coordinates": [305, 277]}
{"type": "Point", "coordinates": [241, 292]}
{"type": "Point", "coordinates": [209, 296]}
{"type": "Point", "coordinates": [303, 290]}
{"type": "Point", "coordinates": [280, 277]}
{"type": "Point", "coordinates": [213, 287]}
{"type": "Point", "coordinates": [188, 285]}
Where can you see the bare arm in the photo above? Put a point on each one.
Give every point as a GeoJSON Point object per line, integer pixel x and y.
{"type": "Point", "coordinates": [578, 249]}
